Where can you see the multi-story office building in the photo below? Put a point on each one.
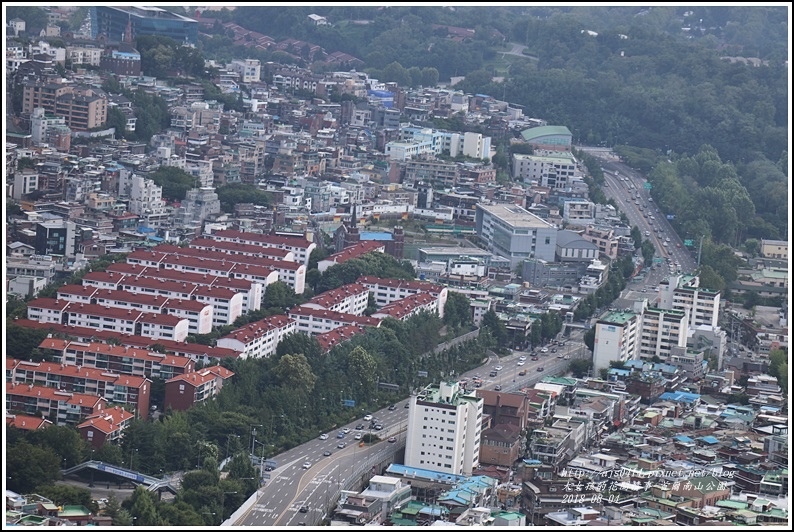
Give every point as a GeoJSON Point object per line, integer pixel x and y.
{"type": "Point", "coordinates": [114, 22]}
{"type": "Point", "coordinates": [146, 201]}
{"type": "Point", "coordinates": [56, 237]}
{"type": "Point", "coordinates": [444, 425]}
{"type": "Point", "coordinates": [660, 331]}
{"type": "Point", "coordinates": [513, 232]}
{"type": "Point", "coordinates": [616, 338]}
{"type": "Point", "coordinates": [249, 69]}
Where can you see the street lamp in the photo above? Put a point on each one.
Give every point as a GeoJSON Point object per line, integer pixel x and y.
{"type": "Point", "coordinates": [223, 496]}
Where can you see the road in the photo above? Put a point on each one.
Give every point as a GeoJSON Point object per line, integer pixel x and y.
{"type": "Point", "coordinates": [627, 187]}
{"type": "Point", "coordinates": [291, 487]}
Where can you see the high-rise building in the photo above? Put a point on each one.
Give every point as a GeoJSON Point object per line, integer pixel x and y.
{"type": "Point", "coordinates": [683, 292]}
{"type": "Point", "coordinates": [616, 338]}
{"type": "Point", "coordinates": [55, 237]}
{"type": "Point", "coordinates": [117, 22]}
{"type": "Point", "coordinates": [444, 425]}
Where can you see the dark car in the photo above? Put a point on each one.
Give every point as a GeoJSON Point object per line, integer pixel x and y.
{"type": "Point", "coordinates": [535, 358]}
{"type": "Point", "coordinates": [303, 509]}
{"type": "Point", "coordinates": [522, 372]}
{"type": "Point", "coordinates": [327, 453]}
{"type": "Point", "coordinates": [407, 405]}
{"type": "Point", "coordinates": [360, 426]}
{"type": "Point", "coordinates": [540, 369]}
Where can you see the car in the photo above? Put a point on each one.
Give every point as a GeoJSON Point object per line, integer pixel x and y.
{"type": "Point", "coordinates": [357, 436]}
{"type": "Point", "coordinates": [678, 245]}
{"type": "Point", "coordinates": [522, 372]}
{"type": "Point", "coordinates": [562, 344]}
{"type": "Point", "coordinates": [327, 453]}
{"type": "Point", "coordinates": [392, 439]}
{"type": "Point", "coordinates": [303, 509]}
{"type": "Point", "coordinates": [567, 357]}
{"type": "Point", "coordinates": [544, 349]}
{"type": "Point", "coordinates": [522, 358]}
{"type": "Point", "coordinates": [346, 430]}
{"type": "Point", "coordinates": [493, 373]}
{"type": "Point", "coordinates": [667, 239]}
{"type": "Point", "coordinates": [498, 368]}
{"type": "Point", "coordinates": [553, 349]}
{"type": "Point", "coordinates": [535, 358]}
{"type": "Point", "coordinates": [378, 427]}
{"type": "Point", "coordinates": [407, 405]}
{"type": "Point", "coordinates": [540, 369]}
{"type": "Point", "coordinates": [368, 417]}
{"type": "Point", "coordinates": [477, 385]}
{"type": "Point", "coordinates": [323, 436]}
{"type": "Point", "coordinates": [520, 363]}
{"type": "Point", "coordinates": [340, 435]}
{"type": "Point", "coordinates": [307, 465]}
{"type": "Point", "coordinates": [268, 468]}
{"type": "Point", "coordinates": [360, 426]}
{"type": "Point", "coordinates": [342, 445]}
{"type": "Point", "coordinates": [644, 290]}
{"type": "Point", "coordinates": [498, 387]}
{"type": "Point", "coordinates": [392, 407]}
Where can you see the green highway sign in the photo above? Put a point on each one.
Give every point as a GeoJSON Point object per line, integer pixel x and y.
{"type": "Point", "coordinates": [647, 186]}
{"type": "Point", "coordinates": [657, 260]}
{"type": "Point", "coordinates": [688, 242]}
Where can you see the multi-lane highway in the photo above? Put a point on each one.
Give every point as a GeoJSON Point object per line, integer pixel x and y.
{"type": "Point", "coordinates": [306, 483]}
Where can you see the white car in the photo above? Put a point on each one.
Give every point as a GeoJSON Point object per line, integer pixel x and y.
{"type": "Point", "coordinates": [520, 363]}
{"type": "Point", "coordinates": [544, 349]}
{"type": "Point", "coordinates": [307, 465]}
{"type": "Point", "coordinates": [346, 430]}
{"type": "Point", "coordinates": [358, 436]}
{"type": "Point", "coordinates": [498, 368]}
{"type": "Point", "coordinates": [522, 358]}
{"type": "Point", "coordinates": [368, 417]}
{"type": "Point", "coordinates": [323, 436]}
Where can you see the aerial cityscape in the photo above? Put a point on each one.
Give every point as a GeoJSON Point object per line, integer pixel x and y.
{"type": "Point", "coordinates": [400, 265]}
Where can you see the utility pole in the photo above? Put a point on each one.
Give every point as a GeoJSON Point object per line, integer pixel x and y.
{"type": "Point", "coordinates": [700, 248]}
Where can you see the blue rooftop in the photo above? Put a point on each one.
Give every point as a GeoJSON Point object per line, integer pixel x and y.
{"type": "Point", "coordinates": [680, 397]}
{"type": "Point", "coordinates": [685, 439]}
{"type": "Point", "coordinates": [711, 440]}
{"type": "Point", "coordinates": [376, 236]}
{"type": "Point", "coordinates": [400, 469]}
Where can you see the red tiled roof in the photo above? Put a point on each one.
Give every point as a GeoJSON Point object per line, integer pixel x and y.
{"type": "Point", "coordinates": [337, 295]}
{"type": "Point", "coordinates": [256, 329]}
{"type": "Point", "coordinates": [356, 250]}
{"type": "Point", "coordinates": [82, 372]}
{"type": "Point", "coordinates": [52, 394]}
{"type": "Point", "coordinates": [225, 246]}
{"type": "Point", "coordinates": [419, 286]}
{"type": "Point", "coordinates": [107, 420]}
{"type": "Point", "coordinates": [24, 422]}
{"type": "Point", "coordinates": [258, 238]}
{"type": "Point", "coordinates": [334, 316]}
{"type": "Point", "coordinates": [341, 334]}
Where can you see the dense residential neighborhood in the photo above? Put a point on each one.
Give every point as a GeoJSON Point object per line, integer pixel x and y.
{"type": "Point", "coordinates": [500, 324]}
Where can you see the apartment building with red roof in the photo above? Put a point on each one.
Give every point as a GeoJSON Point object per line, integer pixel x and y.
{"type": "Point", "coordinates": [123, 359]}
{"type": "Point", "coordinates": [184, 391]}
{"type": "Point", "coordinates": [349, 299]}
{"type": "Point", "coordinates": [240, 248]}
{"type": "Point", "coordinates": [259, 339]}
{"type": "Point", "coordinates": [331, 339]}
{"type": "Point", "coordinates": [301, 247]}
{"type": "Point", "coordinates": [389, 290]}
{"type": "Point", "coordinates": [402, 309]}
{"type": "Point", "coordinates": [352, 252]}
{"type": "Point", "coordinates": [316, 321]}
{"type": "Point", "coordinates": [196, 352]}
{"type": "Point", "coordinates": [66, 408]}
{"type": "Point", "coordinates": [25, 422]}
{"type": "Point", "coordinates": [105, 426]}
{"type": "Point", "coordinates": [113, 387]}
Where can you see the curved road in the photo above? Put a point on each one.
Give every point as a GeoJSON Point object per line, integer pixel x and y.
{"type": "Point", "coordinates": [292, 488]}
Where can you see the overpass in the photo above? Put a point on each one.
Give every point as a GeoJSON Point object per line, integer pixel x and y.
{"type": "Point", "coordinates": [151, 483]}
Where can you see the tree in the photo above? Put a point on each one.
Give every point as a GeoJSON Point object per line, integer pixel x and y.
{"type": "Point", "coordinates": [29, 466]}
{"type": "Point", "coordinates": [295, 374]}
{"type": "Point", "coordinates": [118, 120]}
{"type": "Point", "coordinates": [457, 309]}
{"type": "Point", "coordinates": [361, 370]}
{"type": "Point", "coordinates": [143, 508]}
{"type": "Point", "coordinates": [429, 77]}
{"type": "Point", "coordinates": [234, 193]}
{"type": "Point", "coordinates": [589, 338]}
{"type": "Point", "coordinates": [492, 323]}
{"type": "Point", "coordinates": [580, 367]}
{"type": "Point", "coordinates": [175, 182]}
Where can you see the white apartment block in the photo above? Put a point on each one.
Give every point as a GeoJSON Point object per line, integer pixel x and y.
{"type": "Point", "coordinates": [300, 247]}
{"type": "Point", "coordinates": [259, 339]}
{"type": "Point", "coordinates": [227, 304]}
{"type": "Point", "coordinates": [104, 318]}
{"type": "Point", "coordinates": [513, 232]}
{"type": "Point", "coordinates": [390, 290]}
{"type": "Point", "coordinates": [25, 182]}
{"type": "Point", "coordinates": [444, 425]}
{"type": "Point", "coordinates": [682, 293]}
{"type": "Point", "coordinates": [470, 144]}
{"type": "Point", "coordinates": [554, 172]}
{"type": "Point", "coordinates": [249, 69]}
{"type": "Point", "coordinates": [41, 122]}
{"type": "Point", "coordinates": [616, 338]}
{"type": "Point", "coordinates": [581, 213]}
{"type": "Point", "coordinates": [661, 331]}
{"type": "Point", "coordinates": [83, 55]}
{"type": "Point", "coordinates": [314, 321]}
{"type": "Point", "coordinates": [146, 200]}
{"type": "Point", "coordinates": [347, 299]}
